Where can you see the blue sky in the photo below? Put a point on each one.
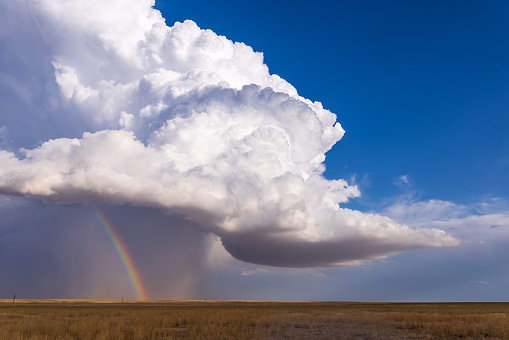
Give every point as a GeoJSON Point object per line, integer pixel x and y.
{"type": "Point", "coordinates": [419, 86]}
{"type": "Point", "coordinates": [214, 184]}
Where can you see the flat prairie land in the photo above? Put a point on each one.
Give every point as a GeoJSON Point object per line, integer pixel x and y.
{"type": "Point", "coordinates": [111, 319]}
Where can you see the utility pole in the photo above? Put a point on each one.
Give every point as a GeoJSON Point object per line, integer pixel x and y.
{"type": "Point", "coordinates": [14, 298]}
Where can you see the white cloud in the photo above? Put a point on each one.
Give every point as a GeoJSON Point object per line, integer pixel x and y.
{"type": "Point", "coordinates": [482, 282]}
{"type": "Point", "coordinates": [3, 135]}
{"type": "Point", "coordinates": [126, 120]}
{"type": "Point", "coordinates": [255, 271]}
{"type": "Point", "coordinates": [189, 122]}
{"type": "Point", "coordinates": [482, 222]}
{"type": "Point", "coordinates": [419, 212]}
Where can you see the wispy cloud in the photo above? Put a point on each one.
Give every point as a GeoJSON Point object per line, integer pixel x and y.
{"type": "Point", "coordinates": [482, 282]}
{"type": "Point", "coordinates": [488, 218]}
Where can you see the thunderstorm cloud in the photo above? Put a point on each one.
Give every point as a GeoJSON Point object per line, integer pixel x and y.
{"type": "Point", "coordinates": [103, 103]}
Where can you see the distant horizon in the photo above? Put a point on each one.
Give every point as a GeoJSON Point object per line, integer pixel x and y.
{"type": "Point", "coordinates": [203, 301]}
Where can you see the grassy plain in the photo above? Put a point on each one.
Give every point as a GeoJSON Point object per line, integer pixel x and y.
{"type": "Point", "coordinates": [86, 319]}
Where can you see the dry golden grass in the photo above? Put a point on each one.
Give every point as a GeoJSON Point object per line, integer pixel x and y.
{"type": "Point", "coordinates": [80, 319]}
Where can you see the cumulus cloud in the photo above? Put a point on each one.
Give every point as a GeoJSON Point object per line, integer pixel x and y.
{"type": "Point", "coordinates": [180, 119]}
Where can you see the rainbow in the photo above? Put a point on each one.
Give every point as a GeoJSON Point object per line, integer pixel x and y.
{"type": "Point", "coordinates": [121, 250]}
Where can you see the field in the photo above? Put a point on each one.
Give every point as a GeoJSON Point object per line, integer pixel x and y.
{"type": "Point", "coordinates": [74, 319]}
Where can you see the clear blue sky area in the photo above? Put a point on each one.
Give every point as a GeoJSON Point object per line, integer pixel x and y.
{"type": "Point", "coordinates": [421, 87]}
